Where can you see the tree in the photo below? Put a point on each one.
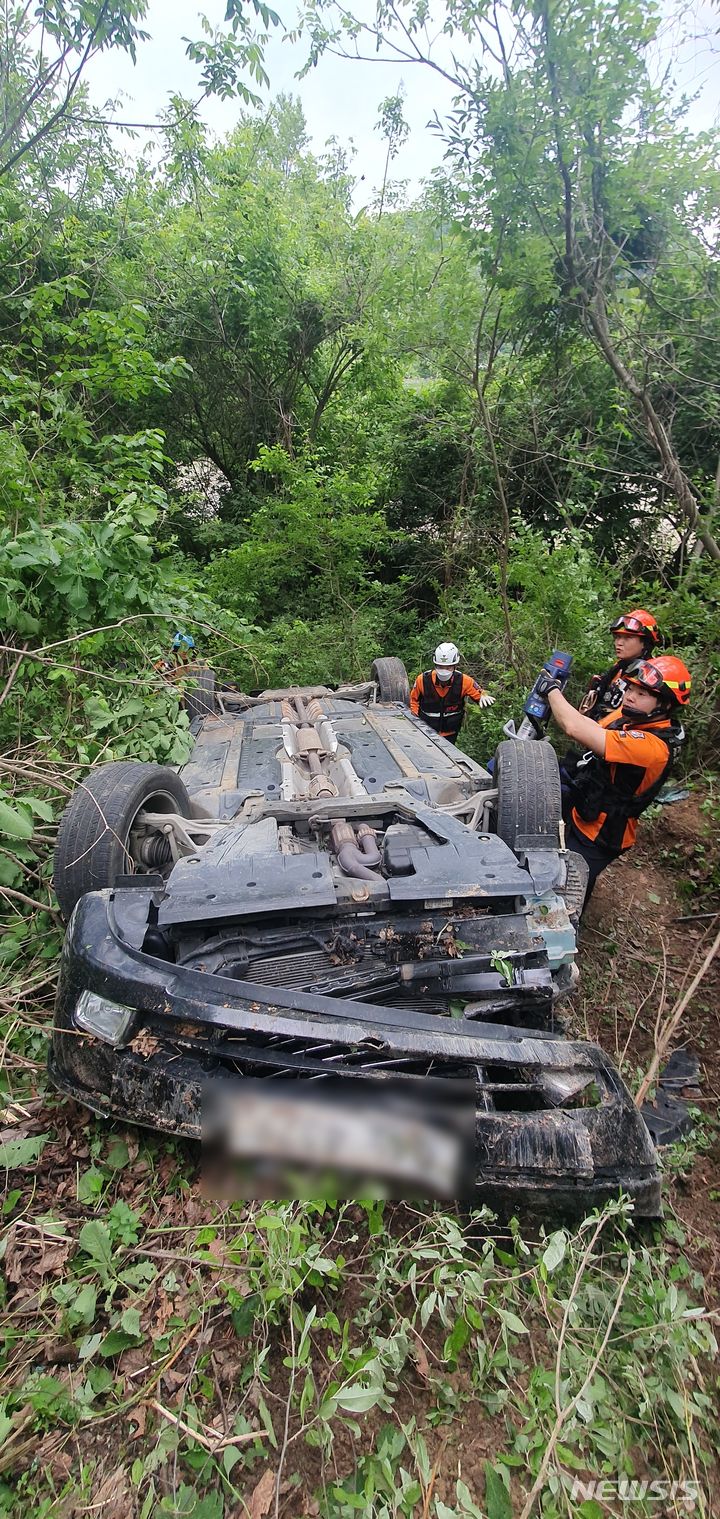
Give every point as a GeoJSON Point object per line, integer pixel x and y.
{"type": "Point", "coordinates": [45, 56]}
{"type": "Point", "coordinates": [579, 180]}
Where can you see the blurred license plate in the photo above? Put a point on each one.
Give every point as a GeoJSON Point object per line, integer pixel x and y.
{"type": "Point", "coordinates": [383, 1138]}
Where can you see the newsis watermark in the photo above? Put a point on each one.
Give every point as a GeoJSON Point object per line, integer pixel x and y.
{"type": "Point", "coordinates": [683, 1492]}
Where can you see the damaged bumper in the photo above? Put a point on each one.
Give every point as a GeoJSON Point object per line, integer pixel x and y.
{"type": "Point", "coordinates": [552, 1128]}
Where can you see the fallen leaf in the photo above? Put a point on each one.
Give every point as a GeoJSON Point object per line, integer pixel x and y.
{"type": "Point", "coordinates": [61, 1353]}
{"type": "Point", "coordinates": [112, 1498]}
{"type": "Point", "coordinates": [262, 1496]}
{"type": "Point", "coordinates": [139, 1418]}
{"type": "Point", "coordinates": [144, 1044]}
{"type": "Point", "coordinates": [163, 1311]}
{"type": "Point", "coordinates": [32, 1255]}
{"type": "Point", "coordinates": [52, 1458]}
{"type": "Point", "coordinates": [419, 1356]}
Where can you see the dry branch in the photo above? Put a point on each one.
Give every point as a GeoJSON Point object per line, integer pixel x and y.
{"type": "Point", "coordinates": [672, 1023]}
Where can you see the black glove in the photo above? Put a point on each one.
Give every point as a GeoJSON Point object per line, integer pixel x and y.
{"type": "Point", "coordinates": [546, 683]}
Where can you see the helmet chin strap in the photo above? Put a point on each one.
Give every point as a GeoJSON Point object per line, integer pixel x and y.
{"type": "Point", "coordinates": [630, 714]}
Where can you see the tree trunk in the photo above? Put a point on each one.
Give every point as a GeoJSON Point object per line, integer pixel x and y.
{"type": "Point", "coordinates": [673, 473]}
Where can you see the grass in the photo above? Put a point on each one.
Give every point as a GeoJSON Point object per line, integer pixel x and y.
{"type": "Point", "coordinates": [330, 1359]}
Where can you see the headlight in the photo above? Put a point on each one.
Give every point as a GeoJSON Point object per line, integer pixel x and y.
{"type": "Point", "coordinates": [107, 1020]}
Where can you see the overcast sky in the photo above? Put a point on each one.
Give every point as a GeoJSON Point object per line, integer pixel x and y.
{"type": "Point", "coordinates": [342, 98]}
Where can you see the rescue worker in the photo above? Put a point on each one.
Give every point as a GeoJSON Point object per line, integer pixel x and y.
{"type": "Point", "coordinates": [628, 757]}
{"type": "Point", "coordinates": [439, 695]}
{"type": "Point", "coordinates": [183, 646]}
{"type": "Point", "coordinates": [636, 636]}
{"type": "Point", "coordinates": [182, 653]}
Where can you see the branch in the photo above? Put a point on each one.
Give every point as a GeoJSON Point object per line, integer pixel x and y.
{"type": "Point", "coordinates": [673, 1023]}
{"type": "Point", "coordinates": [11, 677]}
{"type": "Point", "coordinates": [564, 1413]}
{"type": "Point", "coordinates": [56, 116]}
{"type": "Point", "coordinates": [596, 318]}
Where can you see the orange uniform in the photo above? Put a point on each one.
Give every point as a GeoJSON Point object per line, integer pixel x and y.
{"type": "Point", "coordinates": [609, 794]}
{"type": "Point", "coordinates": [443, 706]}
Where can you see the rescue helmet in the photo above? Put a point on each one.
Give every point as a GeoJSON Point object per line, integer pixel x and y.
{"type": "Point", "coordinates": [183, 641]}
{"type": "Point", "coordinates": [641, 623]}
{"type": "Point", "coordinates": [667, 676]}
{"type": "Point", "coordinates": [447, 654]}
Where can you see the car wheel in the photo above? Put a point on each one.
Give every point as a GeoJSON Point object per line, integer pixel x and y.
{"type": "Point", "coordinates": [529, 804]}
{"type": "Point", "coordinates": [93, 842]}
{"type": "Point", "coordinates": [392, 681]}
{"type": "Point", "coordinates": [200, 700]}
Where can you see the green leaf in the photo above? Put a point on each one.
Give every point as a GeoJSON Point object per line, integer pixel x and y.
{"type": "Point", "coordinates": [512, 1322]}
{"type": "Point", "coordinates": [15, 823]}
{"type": "Point", "coordinates": [243, 1317]}
{"type": "Point", "coordinates": [140, 1274]}
{"type": "Point", "coordinates": [40, 809]}
{"type": "Point", "coordinates": [231, 1456]}
{"type": "Point", "coordinates": [89, 1346]}
{"type": "Point", "coordinates": [94, 1238]}
{"type": "Point", "coordinates": [554, 1254]}
{"type": "Point", "coordinates": [82, 1310]}
{"type": "Point", "coordinates": [457, 1339]}
{"type": "Point", "coordinates": [116, 1341]}
{"type": "Point", "coordinates": [266, 1417]}
{"type": "Point", "coordinates": [17, 1153]}
{"type": "Point", "coordinates": [90, 1185]}
{"type": "Point", "coordinates": [497, 1497]}
{"type": "Point", "coordinates": [130, 1321]}
{"type": "Point", "coordinates": [10, 873]}
{"type": "Point", "coordinates": [358, 1400]}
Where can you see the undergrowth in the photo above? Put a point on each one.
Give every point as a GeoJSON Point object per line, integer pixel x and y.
{"type": "Point", "coordinates": [335, 1359]}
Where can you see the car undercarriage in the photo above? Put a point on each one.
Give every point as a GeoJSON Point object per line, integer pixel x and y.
{"type": "Point", "coordinates": [336, 945]}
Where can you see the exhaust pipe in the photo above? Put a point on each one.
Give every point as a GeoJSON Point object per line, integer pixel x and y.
{"type": "Point", "coordinates": [355, 861]}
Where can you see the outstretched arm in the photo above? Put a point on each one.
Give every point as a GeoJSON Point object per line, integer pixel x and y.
{"type": "Point", "coordinates": [474, 692]}
{"type": "Point", "coordinates": [582, 729]}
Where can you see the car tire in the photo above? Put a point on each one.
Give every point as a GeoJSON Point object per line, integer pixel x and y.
{"type": "Point", "coordinates": [200, 701]}
{"type": "Point", "coordinates": [529, 803]}
{"type": "Point", "coordinates": [392, 681]}
{"type": "Point", "coordinates": [94, 829]}
{"type": "Point", "coordinates": [576, 883]}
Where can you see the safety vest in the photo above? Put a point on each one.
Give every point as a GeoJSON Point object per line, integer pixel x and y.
{"type": "Point", "coordinates": [594, 789]}
{"type": "Point", "coordinates": [443, 713]}
{"type": "Point", "coordinates": [605, 692]}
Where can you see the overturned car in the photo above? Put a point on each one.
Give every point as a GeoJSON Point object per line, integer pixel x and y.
{"type": "Point", "coordinates": [333, 943]}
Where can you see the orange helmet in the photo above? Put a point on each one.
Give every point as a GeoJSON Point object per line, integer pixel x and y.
{"type": "Point", "coordinates": [638, 621]}
{"type": "Point", "coordinates": [667, 676]}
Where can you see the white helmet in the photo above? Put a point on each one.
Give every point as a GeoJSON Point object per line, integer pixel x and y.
{"type": "Point", "coordinates": [447, 654]}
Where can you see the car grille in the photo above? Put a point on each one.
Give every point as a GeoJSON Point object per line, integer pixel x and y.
{"type": "Point", "coordinates": [497, 1088]}
{"type": "Point", "coordinates": [299, 969]}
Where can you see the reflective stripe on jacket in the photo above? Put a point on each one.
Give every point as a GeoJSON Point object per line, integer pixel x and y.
{"type": "Point", "coordinates": [443, 707]}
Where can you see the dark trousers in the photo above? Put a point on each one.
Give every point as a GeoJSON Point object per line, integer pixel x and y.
{"type": "Point", "coordinates": [597, 858]}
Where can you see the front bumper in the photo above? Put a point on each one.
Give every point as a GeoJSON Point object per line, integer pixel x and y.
{"type": "Point", "coordinates": [533, 1150]}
